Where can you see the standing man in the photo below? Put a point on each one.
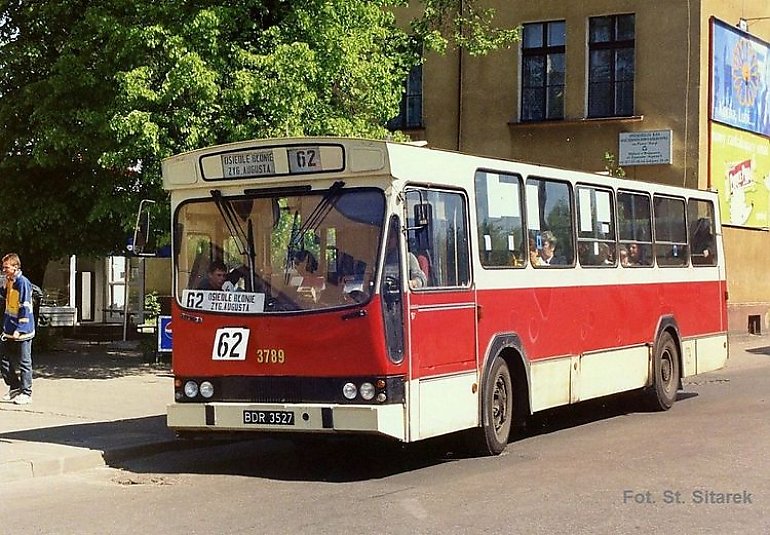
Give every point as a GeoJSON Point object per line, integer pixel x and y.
{"type": "Point", "coordinates": [18, 331]}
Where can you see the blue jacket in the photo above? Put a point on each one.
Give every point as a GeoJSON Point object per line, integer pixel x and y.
{"type": "Point", "coordinates": [18, 315]}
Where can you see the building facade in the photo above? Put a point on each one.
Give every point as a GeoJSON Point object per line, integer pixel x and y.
{"type": "Point", "coordinates": [676, 91]}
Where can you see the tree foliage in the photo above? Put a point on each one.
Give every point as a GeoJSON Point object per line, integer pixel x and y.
{"type": "Point", "coordinates": [95, 93]}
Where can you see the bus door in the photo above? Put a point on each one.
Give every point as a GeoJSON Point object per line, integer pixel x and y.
{"type": "Point", "coordinates": [441, 314]}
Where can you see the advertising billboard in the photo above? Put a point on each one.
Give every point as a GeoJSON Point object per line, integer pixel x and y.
{"type": "Point", "coordinates": [740, 79]}
{"type": "Point", "coordinates": [740, 171]}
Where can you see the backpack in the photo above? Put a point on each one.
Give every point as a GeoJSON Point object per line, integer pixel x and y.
{"type": "Point", "coordinates": [37, 298]}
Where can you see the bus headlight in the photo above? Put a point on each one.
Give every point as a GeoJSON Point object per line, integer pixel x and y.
{"type": "Point", "coordinates": [349, 391]}
{"type": "Point", "coordinates": [207, 389]}
{"type": "Point", "coordinates": [191, 389]}
{"type": "Point", "coordinates": [367, 391]}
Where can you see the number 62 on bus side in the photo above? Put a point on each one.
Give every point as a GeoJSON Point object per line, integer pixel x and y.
{"type": "Point", "coordinates": [230, 343]}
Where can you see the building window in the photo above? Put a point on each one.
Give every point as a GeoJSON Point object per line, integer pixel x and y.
{"type": "Point", "coordinates": [410, 109]}
{"type": "Point", "coordinates": [542, 71]}
{"type": "Point", "coordinates": [611, 66]}
{"type": "Point", "coordinates": [116, 287]}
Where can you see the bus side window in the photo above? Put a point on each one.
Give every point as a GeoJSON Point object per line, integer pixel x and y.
{"type": "Point", "coordinates": [670, 231]}
{"type": "Point", "coordinates": [500, 220]}
{"type": "Point", "coordinates": [442, 240]}
{"type": "Point", "coordinates": [549, 219]}
{"type": "Point", "coordinates": [635, 229]}
{"type": "Point", "coordinates": [596, 227]}
{"type": "Point", "coordinates": [700, 221]}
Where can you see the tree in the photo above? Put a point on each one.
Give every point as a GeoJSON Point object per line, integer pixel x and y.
{"type": "Point", "coordinates": [611, 165]}
{"type": "Point", "coordinates": [95, 93]}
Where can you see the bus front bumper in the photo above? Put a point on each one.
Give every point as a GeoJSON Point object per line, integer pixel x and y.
{"type": "Point", "coordinates": [388, 420]}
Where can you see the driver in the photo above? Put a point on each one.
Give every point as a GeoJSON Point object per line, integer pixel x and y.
{"type": "Point", "coordinates": [215, 276]}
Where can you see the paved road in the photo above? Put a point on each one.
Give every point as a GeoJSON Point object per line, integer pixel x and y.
{"type": "Point", "coordinates": [598, 468]}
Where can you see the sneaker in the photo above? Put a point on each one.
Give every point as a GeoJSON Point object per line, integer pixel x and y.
{"type": "Point", "coordinates": [22, 399]}
{"type": "Point", "coordinates": [10, 395]}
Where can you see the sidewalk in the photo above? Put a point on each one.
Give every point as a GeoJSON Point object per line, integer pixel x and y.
{"type": "Point", "coordinates": [93, 403]}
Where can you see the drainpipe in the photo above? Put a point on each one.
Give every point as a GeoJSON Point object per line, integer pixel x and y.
{"type": "Point", "coordinates": [460, 86]}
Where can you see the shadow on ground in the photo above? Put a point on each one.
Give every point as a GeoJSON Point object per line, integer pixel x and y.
{"type": "Point", "coordinates": [103, 436]}
{"type": "Point", "coordinates": [765, 350]}
{"type": "Point", "coordinates": [330, 458]}
{"type": "Point", "coordinates": [80, 359]}
{"type": "Point", "coordinates": [351, 458]}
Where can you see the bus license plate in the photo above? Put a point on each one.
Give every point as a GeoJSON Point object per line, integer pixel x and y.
{"type": "Point", "coordinates": [268, 417]}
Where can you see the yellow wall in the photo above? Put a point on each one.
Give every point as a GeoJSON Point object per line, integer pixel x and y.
{"type": "Point", "coordinates": [671, 92]}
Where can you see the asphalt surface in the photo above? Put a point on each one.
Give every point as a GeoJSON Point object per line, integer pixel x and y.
{"type": "Point", "coordinates": [95, 404]}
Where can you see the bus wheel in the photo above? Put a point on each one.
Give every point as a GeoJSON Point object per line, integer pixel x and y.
{"type": "Point", "coordinates": [497, 407]}
{"type": "Point", "coordinates": [665, 380]}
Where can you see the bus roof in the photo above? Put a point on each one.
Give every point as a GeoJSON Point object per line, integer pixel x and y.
{"type": "Point", "coordinates": [278, 160]}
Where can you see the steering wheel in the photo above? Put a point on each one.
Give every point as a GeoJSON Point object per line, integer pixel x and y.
{"type": "Point", "coordinates": [357, 296]}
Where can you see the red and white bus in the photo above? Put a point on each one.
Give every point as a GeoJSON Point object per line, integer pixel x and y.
{"type": "Point", "coordinates": [392, 289]}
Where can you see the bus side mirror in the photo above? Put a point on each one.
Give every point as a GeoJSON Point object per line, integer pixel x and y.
{"type": "Point", "coordinates": [140, 244]}
{"type": "Point", "coordinates": [423, 214]}
{"type": "Point", "coordinates": [423, 226]}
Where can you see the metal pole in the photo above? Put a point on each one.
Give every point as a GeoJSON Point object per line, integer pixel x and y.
{"type": "Point", "coordinates": [125, 297]}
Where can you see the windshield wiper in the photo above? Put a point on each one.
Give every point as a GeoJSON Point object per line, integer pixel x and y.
{"type": "Point", "coordinates": [318, 214]}
{"type": "Point", "coordinates": [244, 240]}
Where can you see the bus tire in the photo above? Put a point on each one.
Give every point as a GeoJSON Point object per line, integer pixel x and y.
{"type": "Point", "coordinates": [660, 396]}
{"type": "Point", "coordinates": [497, 408]}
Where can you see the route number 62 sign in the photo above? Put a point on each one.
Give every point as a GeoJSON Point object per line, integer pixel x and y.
{"type": "Point", "coordinates": [230, 343]}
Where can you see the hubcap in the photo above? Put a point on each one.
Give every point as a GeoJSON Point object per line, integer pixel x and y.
{"type": "Point", "coordinates": [500, 403]}
{"type": "Point", "coordinates": [665, 368]}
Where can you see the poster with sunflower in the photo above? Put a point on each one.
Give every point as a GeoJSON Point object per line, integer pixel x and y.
{"type": "Point", "coordinates": [740, 79]}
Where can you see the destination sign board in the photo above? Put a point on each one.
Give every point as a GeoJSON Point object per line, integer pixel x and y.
{"type": "Point", "coordinates": [259, 162]}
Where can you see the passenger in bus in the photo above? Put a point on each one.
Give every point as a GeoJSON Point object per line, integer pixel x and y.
{"type": "Point", "coordinates": [215, 276]}
{"type": "Point", "coordinates": [623, 255]}
{"type": "Point", "coordinates": [534, 256]}
{"type": "Point", "coordinates": [633, 254]}
{"type": "Point", "coordinates": [423, 259]}
{"type": "Point", "coordinates": [548, 255]}
{"type": "Point", "coordinates": [305, 264]}
{"type": "Point", "coordinates": [605, 256]}
{"type": "Point", "coordinates": [417, 278]}
{"type": "Point", "coordinates": [309, 285]}
{"type": "Point", "coordinates": [702, 241]}
{"type": "Point", "coordinates": [424, 263]}
{"type": "Point", "coordinates": [305, 260]}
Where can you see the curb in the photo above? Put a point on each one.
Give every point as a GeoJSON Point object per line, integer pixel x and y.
{"type": "Point", "coordinates": [78, 459]}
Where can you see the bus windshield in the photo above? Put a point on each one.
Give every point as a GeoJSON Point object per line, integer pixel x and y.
{"type": "Point", "coordinates": [307, 251]}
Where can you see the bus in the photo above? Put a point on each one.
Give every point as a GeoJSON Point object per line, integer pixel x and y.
{"type": "Point", "coordinates": [352, 286]}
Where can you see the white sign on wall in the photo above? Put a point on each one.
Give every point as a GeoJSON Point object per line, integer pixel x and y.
{"type": "Point", "coordinates": [652, 147]}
